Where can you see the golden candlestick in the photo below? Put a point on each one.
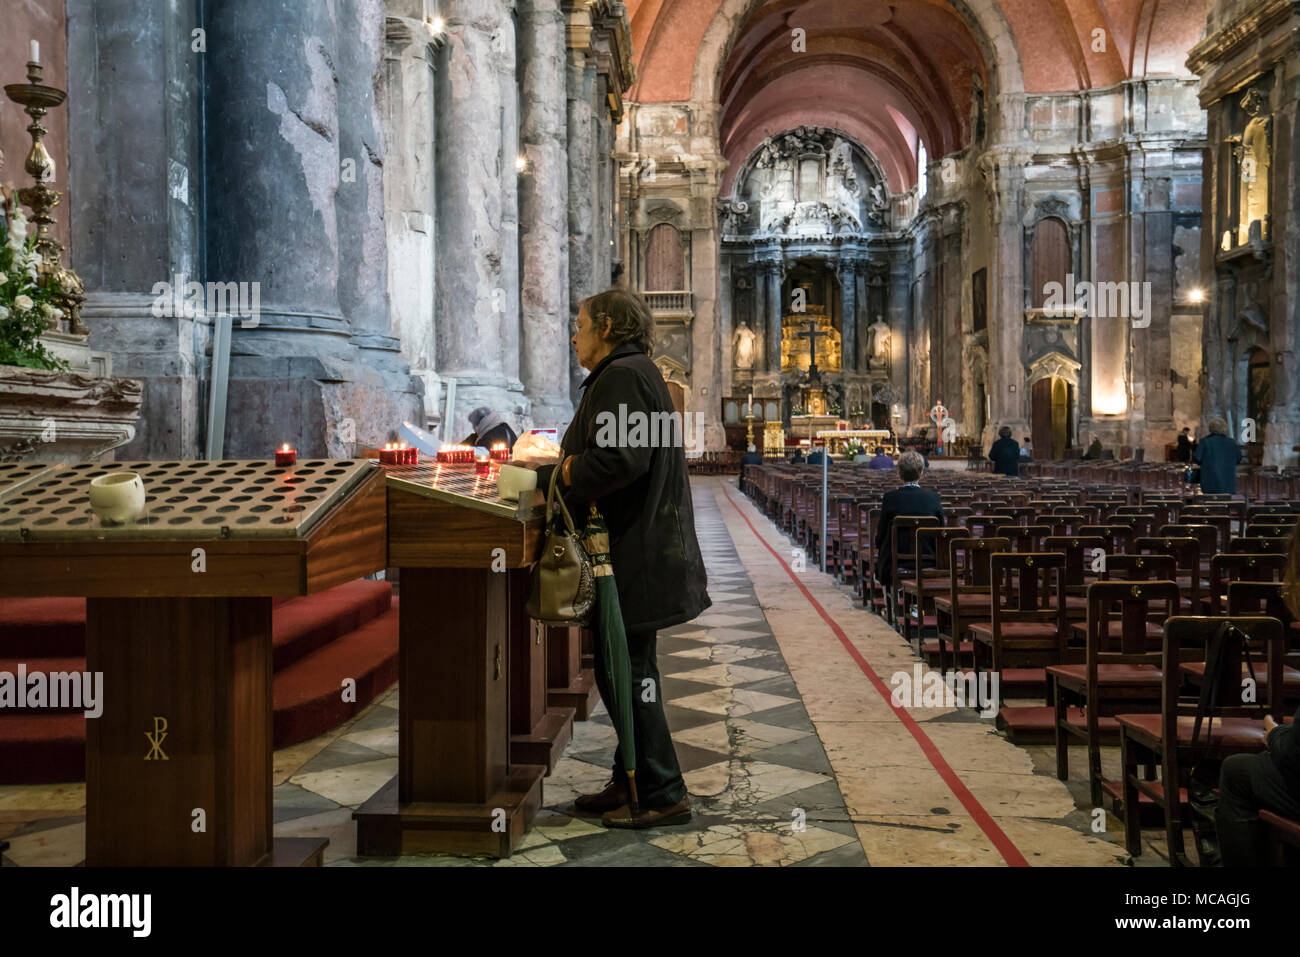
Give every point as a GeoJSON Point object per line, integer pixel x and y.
{"type": "Point", "coordinates": [36, 99]}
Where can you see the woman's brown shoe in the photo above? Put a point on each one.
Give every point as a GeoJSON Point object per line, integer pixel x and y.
{"type": "Point", "coordinates": [613, 797]}
{"type": "Point", "coordinates": [679, 813]}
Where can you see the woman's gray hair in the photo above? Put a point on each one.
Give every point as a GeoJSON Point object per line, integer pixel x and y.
{"type": "Point", "coordinates": [1218, 426]}
{"type": "Point", "coordinates": [629, 318]}
{"type": "Point", "coordinates": [910, 466]}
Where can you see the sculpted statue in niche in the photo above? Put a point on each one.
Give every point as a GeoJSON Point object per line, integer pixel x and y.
{"type": "Point", "coordinates": [878, 336]}
{"type": "Point", "coordinates": [743, 344]}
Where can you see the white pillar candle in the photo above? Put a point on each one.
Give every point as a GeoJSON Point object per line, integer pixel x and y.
{"type": "Point", "coordinates": [36, 52]}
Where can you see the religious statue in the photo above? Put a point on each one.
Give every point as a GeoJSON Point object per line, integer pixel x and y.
{"type": "Point", "coordinates": [878, 337]}
{"type": "Point", "coordinates": [939, 415]}
{"type": "Point", "coordinates": [743, 343]}
{"type": "Point", "coordinates": [879, 198]}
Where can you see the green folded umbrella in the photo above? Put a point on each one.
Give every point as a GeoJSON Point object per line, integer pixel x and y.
{"type": "Point", "coordinates": [608, 626]}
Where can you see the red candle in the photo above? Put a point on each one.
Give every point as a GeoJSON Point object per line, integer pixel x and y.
{"type": "Point", "coordinates": [285, 455]}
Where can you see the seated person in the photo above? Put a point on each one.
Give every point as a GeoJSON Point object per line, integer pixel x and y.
{"type": "Point", "coordinates": [749, 458]}
{"type": "Point", "coordinates": [1026, 451]}
{"type": "Point", "coordinates": [817, 456]}
{"type": "Point", "coordinates": [1005, 453]}
{"type": "Point", "coordinates": [1269, 779]}
{"type": "Point", "coordinates": [798, 457]}
{"type": "Point", "coordinates": [909, 499]}
{"type": "Point", "coordinates": [489, 428]}
{"type": "Point", "coordinates": [880, 460]}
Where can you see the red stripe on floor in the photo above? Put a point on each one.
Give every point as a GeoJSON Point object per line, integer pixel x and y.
{"type": "Point", "coordinates": [995, 834]}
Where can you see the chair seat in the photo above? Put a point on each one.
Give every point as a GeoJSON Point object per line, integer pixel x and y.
{"type": "Point", "coordinates": [1290, 676]}
{"type": "Point", "coordinates": [967, 602]}
{"type": "Point", "coordinates": [1040, 633]}
{"type": "Point", "coordinates": [929, 586]}
{"type": "Point", "coordinates": [1115, 628]}
{"type": "Point", "coordinates": [1237, 734]}
{"type": "Point", "coordinates": [1115, 676]}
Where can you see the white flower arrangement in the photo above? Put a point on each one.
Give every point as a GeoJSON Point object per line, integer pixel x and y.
{"type": "Point", "coordinates": [27, 300]}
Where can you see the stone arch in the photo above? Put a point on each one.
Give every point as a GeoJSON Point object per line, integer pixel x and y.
{"type": "Point", "coordinates": [1054, 365]}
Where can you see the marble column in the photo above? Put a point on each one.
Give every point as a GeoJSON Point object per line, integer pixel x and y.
{"type": "Point", "coordinates": [846, 272]}
{"type": "Point", "coordinates": [580, 77]}
{"type": "Point", "coordinates": [772, 278]}
{"type": "Point", "coordinates": [273, 169]}
{"type": "Point", "coordinates": [477, 296]}
{"type": "Point", "coordinates": [134, 203]}
{"type": "Point", "coordinates": [410, 209]}
{"type": "Point", "coordinates": [544, 213]}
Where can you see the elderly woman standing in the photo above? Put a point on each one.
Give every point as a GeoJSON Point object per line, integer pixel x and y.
{"type": "Point", "coordinates": [639, 483]}
{"type": "Point", "coordinates": [1218, 455]}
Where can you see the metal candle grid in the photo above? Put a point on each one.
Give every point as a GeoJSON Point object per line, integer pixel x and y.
{"type": "Point", "coordinates": [237, 499]}
{"type": "Point", "coordinates": [460, 485]}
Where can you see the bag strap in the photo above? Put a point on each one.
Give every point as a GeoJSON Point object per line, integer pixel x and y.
{"type": "Point", "coordinates": [1209, 697]}
{"type": "Point", "coordinates": [552, 498]}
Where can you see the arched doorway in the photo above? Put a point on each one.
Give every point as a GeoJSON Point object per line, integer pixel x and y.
{"type": "Point", "coordinates": [1051, 417]}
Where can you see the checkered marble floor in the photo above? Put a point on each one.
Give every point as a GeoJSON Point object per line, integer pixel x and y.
{"type": "Point", "coordinates": [768, 786]}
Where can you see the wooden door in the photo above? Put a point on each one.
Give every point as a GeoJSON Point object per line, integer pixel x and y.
{"type": "Point", "coordinates": [678, 395]}
{"type": "Point", "coordinates": [1041, 418]}
{"type": "Point", "coordinates": [1060, 417]}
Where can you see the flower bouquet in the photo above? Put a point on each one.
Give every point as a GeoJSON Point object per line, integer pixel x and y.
{"type": "Point", "coordinates": [27, 300]}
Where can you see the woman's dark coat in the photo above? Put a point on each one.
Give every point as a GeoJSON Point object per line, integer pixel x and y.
{"type": "Point", "coordinates": [641, 488]}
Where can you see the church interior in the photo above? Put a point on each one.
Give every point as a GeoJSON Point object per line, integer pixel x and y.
{"type": "Point", "coordinates": [288, 287]}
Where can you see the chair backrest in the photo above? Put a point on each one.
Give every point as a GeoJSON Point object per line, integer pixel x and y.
{"type": "Point", "coordinates": [1131, 604]}
{"type": "Point", "coordinates": [937, 538]}
{"type": "Point", "coordinates": [1267, 529]}
{"type": "Point", "coordinates": [969, 560]}
{"type": "Point", "coordinates": [1185, 551]}
{"type": "Point", "coordinates": [1065, 523]}
{"type": "Point", "coordinates": [1118, 538]}
{"type": "Point", "coordinates": [1258, 598]}
{"type": "Point", "coordinates": [1139, 568]}
{"type": "Point", "coordinates": [1207, 536]}
{"type": "Point", "coordinates": [1189, 637]}
{"type": "Point", "coordinates": [902, 539]}
{"type": "Point", "coordinates": [1023, 538]}
{"type": "Point", "coordinates": [1260, 545]}
{"type": "Point", "coordinates": [1078, 552]}
{"type": "Point", "coordinates": [1242, 566]}
{"type": "Point", "coordinates": [1029, 586]}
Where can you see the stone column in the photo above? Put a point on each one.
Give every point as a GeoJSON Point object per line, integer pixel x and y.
{"type": "Point", "coordinates": [580, 77]}
{"type": "Point", "coordinates": [544, 213]}
{"type": "Point", "coordinates": [273, 180]}
{"type": "Point", "coordinates": [772, 277]}
{"type": "Point", "coordinates": [409, 202]}
{"type": "Point", "coordinates": [134, 200]}
{"type": "Point", "coordinates": [477, 296]}
{"type": "Point", "coordinates": [846, 272]}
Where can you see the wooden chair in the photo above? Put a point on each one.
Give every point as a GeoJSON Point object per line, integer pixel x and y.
{"type": "Point", "coordinates": [1283, 838]}
{"type": "Point", "coordinates": [927, 583]}
{"type": "Point", "coordinates": [1027, 631]}
{"type": "Point", "coordinates": [1023, 538]}
{"type": "Point", "coordinates": [1260, 545]}
{"type": "Point", "coordinates": [1120, 671]}
{"type": "Point", "coordinates": [1117, 538]}
{"type": "Point", "coordinates": [1269, 529]}
{"type": "Point", "coordinates": [1166, 737]}
{"type": "Point", "coordinates": [970, 597]}
{"type": "Point", "coordinates": [1186, 552]}
{"type": "Point", "coordinates": [1238, 567]}
{"type": "Point", "coordinates": [903, 557]}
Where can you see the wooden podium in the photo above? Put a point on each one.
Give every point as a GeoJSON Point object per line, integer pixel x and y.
{"type": "Point", "coordinates": [178, 621]}
{"type": "Point", "coordinates": [462, 555]}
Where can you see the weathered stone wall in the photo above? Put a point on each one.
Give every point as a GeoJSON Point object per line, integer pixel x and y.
{"type": "Point", "coordinates": [1249, 263]}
